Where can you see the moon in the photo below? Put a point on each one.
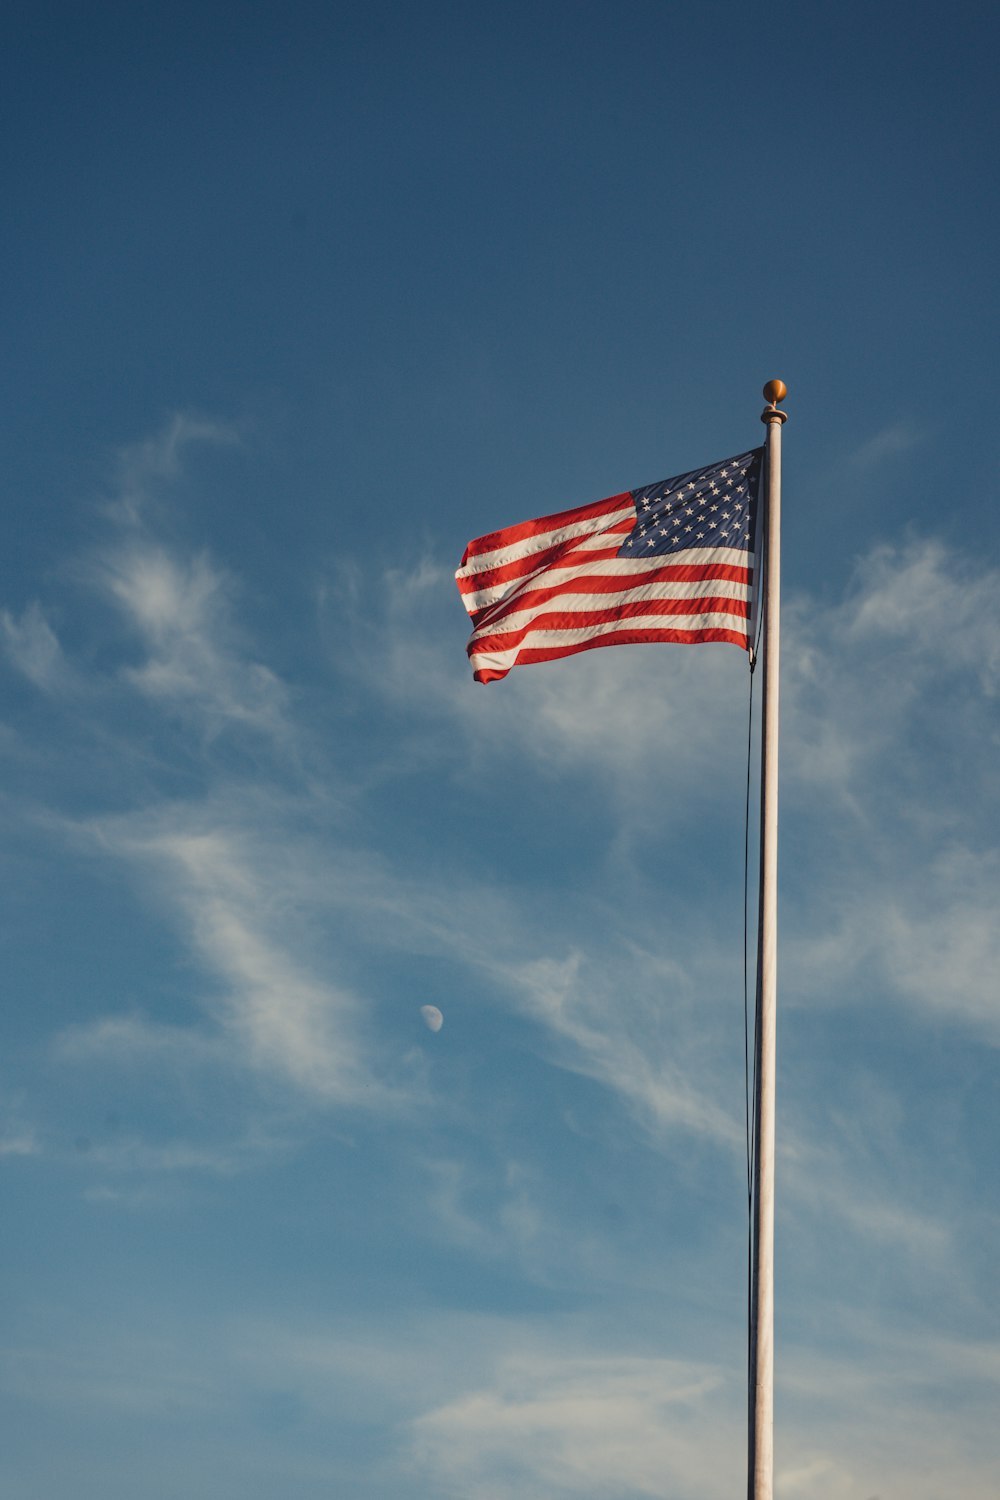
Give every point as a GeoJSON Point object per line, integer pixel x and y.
{"type": "Point", "coordinates": [433, 1019]}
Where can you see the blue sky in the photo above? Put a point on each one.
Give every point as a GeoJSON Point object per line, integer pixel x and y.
{"type": "Point", "coordinates": [298, 300]}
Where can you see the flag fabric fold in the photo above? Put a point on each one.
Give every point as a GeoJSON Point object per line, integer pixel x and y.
{"type": "Point", "coordinates": [673, 561]}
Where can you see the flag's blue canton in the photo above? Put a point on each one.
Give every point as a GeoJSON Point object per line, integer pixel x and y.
{"type": "Point", "coordinates": [713, 507]}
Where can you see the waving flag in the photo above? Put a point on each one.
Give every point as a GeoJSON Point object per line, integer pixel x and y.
{"type": "Point", "coordinates": [671, 562]}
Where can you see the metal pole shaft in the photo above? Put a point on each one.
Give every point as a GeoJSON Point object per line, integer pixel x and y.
{"type": "Point", "coordinates": [760, 1483]}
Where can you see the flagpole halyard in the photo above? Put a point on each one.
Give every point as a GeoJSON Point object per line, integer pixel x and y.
{"type": "Point", "coordinates": [760, 1465]}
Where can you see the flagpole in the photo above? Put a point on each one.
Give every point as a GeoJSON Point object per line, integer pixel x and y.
{"type": "Point", "coordinates": [760, 1465]}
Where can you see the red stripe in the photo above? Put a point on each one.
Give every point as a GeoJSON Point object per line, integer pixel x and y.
{"type": "Point", "coordinates": [611, 583]}
{"type": "Point", "coordinates": [618, 638]}
{"type": "Point", "coordinates": [511, 534]}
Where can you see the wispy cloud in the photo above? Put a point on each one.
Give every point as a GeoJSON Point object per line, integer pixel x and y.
{"type": "Point", "coordinates": [128, 1038]}
{"type": "Point", "coordinates": [931, 603]}
{"type": "Point", "coordinates": [18, 1135]}
{"type": "Point", "coordinates": [830, 1181]}
{"type": "Point", "coordinates": [281, 1016]}
{"type": "Point", "coordinates": [178, 605]}
{"type": "Point", "coordinates": [33, 647]}
{"type": "Point", "coordinates": [138, 1156]}
{"type": "Point", "coordinates": [898, 437]}
{"type": "Point", "coordinates": [924, 936]}
{"type": "Point", "coordinates": [627, 1049]}
{"type": "Point", "coordinates": [180, 608]}
{"type": "Point", "coordinates": [911, 655]}
{"type": "Point", "coordinates": [584, 1426]}
{"type": "Point", "coordinates": [142, 470]}
{"type": "Point", "coordinates": [25, 1143]}
{"type": "Point", "coordinates": [887, 1418]}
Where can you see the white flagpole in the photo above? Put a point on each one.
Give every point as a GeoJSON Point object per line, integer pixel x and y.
{"type": "Point", "coordinates": [760, 1478]}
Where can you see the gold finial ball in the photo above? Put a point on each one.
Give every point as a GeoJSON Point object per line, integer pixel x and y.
{"type": "Point", "coordinates": [775, 391]}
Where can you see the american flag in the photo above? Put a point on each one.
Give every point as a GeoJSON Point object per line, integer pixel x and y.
{"type": "Point", "coordinates": [671, 562]}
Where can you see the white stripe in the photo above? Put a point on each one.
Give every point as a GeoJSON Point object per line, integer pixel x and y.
{"type": "Point", "coordinates": [719, 588]}
{"type": "Point", "coordinates": [537, 639]}
{"type": "Point", "coordinates": [480, 562]}
{"type": "Point", "coordinates": [610, 567]}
